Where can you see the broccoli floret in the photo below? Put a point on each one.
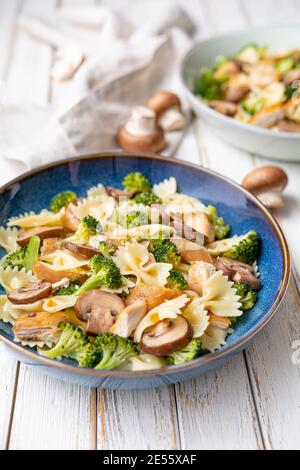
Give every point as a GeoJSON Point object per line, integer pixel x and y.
{"type": "Point", "coordinates": [88, 226]}
{"type": "Point", "coordinates": [136, 182]}
{"type": "Point", "coordinates": [88, 356]}
{"type": "Point", "coordinates": [114, 350]}
{"type": "Point", "coordinates": [69, 290]}
{"type": "Point", "coordinates": [208, 86]}
{"type": "Point", "coordinates": [70, 343]}
{"type": "Point", "coordinates": [253, 104]}
{"type": "Point", "coordinates": [290, 90]}
{"type": "Point", "coordinates": [284, 65]}
{"type": "Point", "coordinates": [251, 53]}
{"type": "Point", "coordinates": [221, 229]}
{"type": "Point", "coordinates": [166, 252]}
{"type": "Point", "coordinates": [104, 273]}
{"type": "Point", "coordinates": [25, 257]}
{"type": "Point", "coordinates": [176, 280]}
{"type": "Point", "coordinates": [147, 198]}
{"type": "Point", "coordinates": [247, 249]}
{"type": "Point", "coordinates": [248, 296]}
{"type": "Point", "coordinates": [136, 219]}
{"type": "Point", "coordinates": [16, 259]}
{"type": "Point", "coordinates": [186, 354]}
{"type": "Point", "coordinates": [107, 249]}
{"type": "Point", "coordinates": [61, 200]}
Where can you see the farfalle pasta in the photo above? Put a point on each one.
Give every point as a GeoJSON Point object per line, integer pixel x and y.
{"type": "Point", "coordinates": [8, 238]}
{"type": "Point", "coordinates": [110, 281]}
{"type": "Point", "coordinates": [134, 259]}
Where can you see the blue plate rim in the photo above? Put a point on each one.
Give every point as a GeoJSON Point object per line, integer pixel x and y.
{"type": "Point", "coordinates": [223, 353]}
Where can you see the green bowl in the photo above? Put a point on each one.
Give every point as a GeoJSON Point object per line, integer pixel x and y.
{"type": "Point", "coordinates": [265, 142]}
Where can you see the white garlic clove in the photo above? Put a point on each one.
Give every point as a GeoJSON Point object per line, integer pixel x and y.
{"type": "Point", "coordinates": [68, 62]}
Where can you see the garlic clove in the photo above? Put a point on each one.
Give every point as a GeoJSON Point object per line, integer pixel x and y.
{"type": "Point", "coordinates": [68, 62]}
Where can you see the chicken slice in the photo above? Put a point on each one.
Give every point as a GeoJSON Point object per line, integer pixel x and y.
{"type": "Point", "coordinates": [129, 318]}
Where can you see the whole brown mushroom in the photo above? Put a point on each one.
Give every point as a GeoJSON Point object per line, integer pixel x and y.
{"type": "Point", "coordinates": [141, 132]}
{"type": "Point", "coordinates": [167, 107]}
{"type": "Point", "coordinates": [268, 184]}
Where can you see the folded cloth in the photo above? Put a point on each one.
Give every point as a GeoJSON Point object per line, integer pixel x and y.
{"type": "Point", "coordinates": [123, 68]}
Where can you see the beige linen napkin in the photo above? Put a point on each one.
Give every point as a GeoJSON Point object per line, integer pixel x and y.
{"type": "Point", "coordinates": [124, 66]}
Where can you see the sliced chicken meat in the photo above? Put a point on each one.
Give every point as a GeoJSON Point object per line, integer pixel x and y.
{"type": "Point", "coordinates": [198, 275]}
{"type": "Point", "coordinates": [152, 295]}
{"type": "Point", "coordinates": [129, 318]}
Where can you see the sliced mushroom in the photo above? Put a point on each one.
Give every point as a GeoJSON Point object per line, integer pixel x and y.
{"type": "Point", "coordinates": [50, 245]}
{"type": "Point", "coordinates": [268, 118]}
{"type": "Point", "coordinates": [69, 218]}
{"type": "Point", "coordinates": [100, 310]}
{"type": "Point", "coordinates": [141, 133]}
{"type": "Point", "coordinates": [290, 76]}
{"type": "Point", "coordinates": [238, 272]}
{"type": "Point", "coordinates": [166, 336]}
{"type": "Point", "coordinates": [129, 319]}
{"type": "Point", "coordinates": [223, 107]}
{"type": "Point", "coordinates": [31, 293]}
{"type": "Point", "coordinates": [288, 126]}
{"type": "Point", "coordinates": [40, 326]}
{"type": "Point", "coordinates": [119, 193]}
{"type": "Point", "coordinates": [268, 184]}
{"type": "Point", "coordinates": [42, 232]}
{"type": "Point", "coordinates": [219, 322]}
{"type": "Point", "coordinates": [82, 251]}
{"type": "Point", "coordinates": [236, 88]}
{"type": "Point", "coordinates": [191, 251]}
{"type": "Point", "coordinates": [167, 107]}
{"type": "Point", "coordinates": [198, 275]}
{"type": "Point", "coordinates": [45, 272]}
{"type": "Point", "coordinates": [152, 295]}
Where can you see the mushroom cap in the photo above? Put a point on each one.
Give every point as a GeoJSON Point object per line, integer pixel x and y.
{"type": "Point", "coordinates": [31, 293]}
{"type": "Point", "coordinates": [162, 101]}
{"type": "Point", "coordinates": [82, 251]}
{"type": "Point", "coordinates": [100, 309]}
{"type": "Point", "coordinates": [265, 178]}
{"type": "Point", "coordinates": [154, 142]}
{"type": "Point", "coordinates": [166, 336]}
{"type": "Point", "coordinates": [41, 232]}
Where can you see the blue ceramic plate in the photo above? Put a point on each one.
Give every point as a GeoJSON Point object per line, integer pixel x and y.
{"type": "Point", "coordinates": [240, 209]}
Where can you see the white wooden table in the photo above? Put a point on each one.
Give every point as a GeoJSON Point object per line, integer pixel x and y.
{"type": "Point", "coordinates": [251, 403]}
